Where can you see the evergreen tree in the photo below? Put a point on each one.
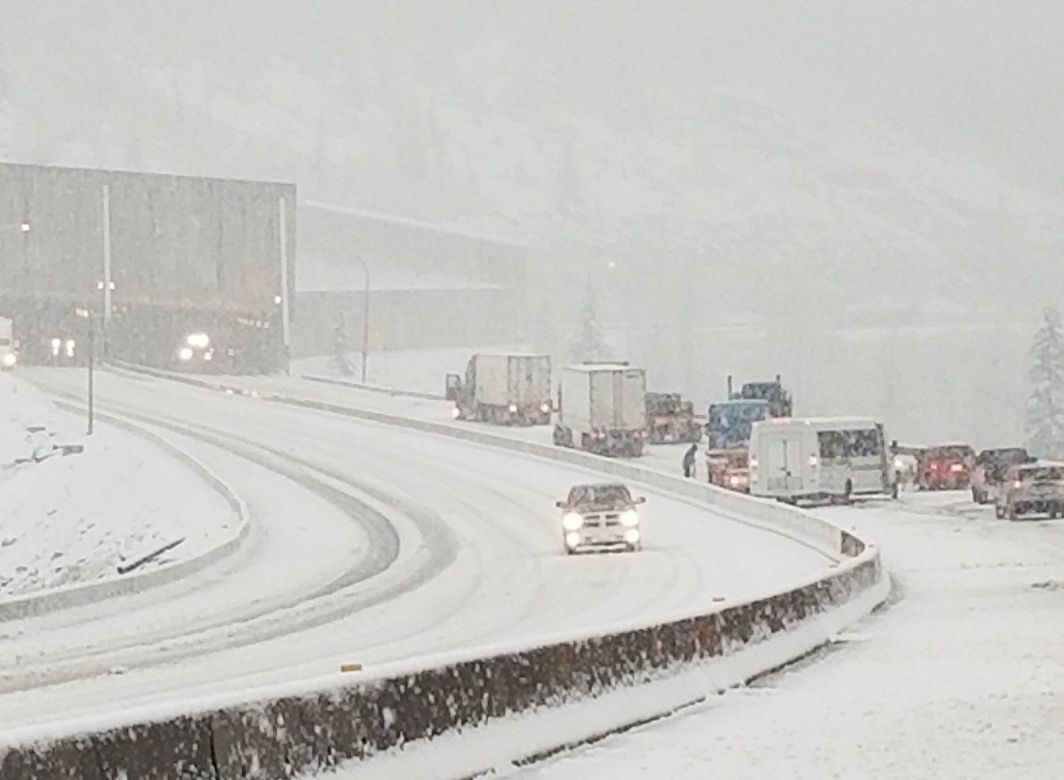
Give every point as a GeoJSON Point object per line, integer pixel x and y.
{"type": "Point", "coordinates": [339, 358]}
{"type": "Point", "coordinates": [589, 343]}
{"type": "Point", "coordinates": [1045, 408]}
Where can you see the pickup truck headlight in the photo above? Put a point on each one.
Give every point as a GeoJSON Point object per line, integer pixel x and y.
{"type": "Point", "coordinates": [9, 360]}
{"type": "Point", "coordinates": [630, 518]}
{"type": "Point", "coordinates": [572, 521]}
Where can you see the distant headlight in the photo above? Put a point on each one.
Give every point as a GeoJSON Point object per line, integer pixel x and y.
{"type": "Point", "coordinates": [572, 521]}
{"type": "Point", "coordinates": [899, 464]}
{"type": "Point", "coordinates": [631, 535]}
{"type": "Point", "coordinates": [198, 340]}
{"type": "Point", "coordinates": [185, 353]}
{"type": "Point", "coordinates": [630, 518]}
{"type": "Point", "coordinates": [513, 408]}
{"type": "Point", "coordinates": [544, 407]}
{"type": "Point", "coordinates": [9, 360]}
{"type": "Point", "coordinates": [572, 539]}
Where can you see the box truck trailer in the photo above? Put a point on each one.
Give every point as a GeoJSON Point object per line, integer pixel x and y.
{"type": "Point", "coordinates": [505, 389]}
{"type": "Point", "coordinates": [602, 409]}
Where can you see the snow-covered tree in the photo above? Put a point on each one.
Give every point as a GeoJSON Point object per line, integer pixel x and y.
{"type": "Point", "coordinates": [1045, 408]}
{"type": "Point", "coordinates": [339, 358]}
{"type": "Point", "coordinates": [589, 343]}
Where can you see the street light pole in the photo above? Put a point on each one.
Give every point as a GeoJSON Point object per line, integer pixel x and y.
{"type": "Point", "coordinates": [105, 288]}
{"type": "Point", "coordinates": [365, 314]}
{"type": "Point", "coordinates": [92, 354]}
{"type": "Point", "coordinates": [286, 311]}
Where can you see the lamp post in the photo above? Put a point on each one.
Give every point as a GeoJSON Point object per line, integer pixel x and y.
{"type": "Point", "coordinates": [105, 288]}
{"type": "Point", "coordinates": [365, 314]}
{"type": "Point", "coordinates": [92, 358]}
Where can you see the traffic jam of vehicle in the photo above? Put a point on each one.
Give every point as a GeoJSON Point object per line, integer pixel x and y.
{"type": "Point", "coordinates": [753, 444]}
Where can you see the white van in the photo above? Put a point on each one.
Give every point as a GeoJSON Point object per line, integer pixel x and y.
{"type": "Point", "coordinates": [813, 459]}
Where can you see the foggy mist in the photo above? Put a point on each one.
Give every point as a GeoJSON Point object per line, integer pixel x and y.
{"type": "Point", "coordinates": [862, 196]}
{"type": "Point", "coordinates": [542, 389]}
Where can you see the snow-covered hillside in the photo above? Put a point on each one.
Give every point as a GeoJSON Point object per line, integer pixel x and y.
{"type": "Point", "coordinates": [421, 113]}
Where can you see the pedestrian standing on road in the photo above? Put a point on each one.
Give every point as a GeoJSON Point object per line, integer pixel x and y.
{"type": "Point", "coordinates": [689, 460]}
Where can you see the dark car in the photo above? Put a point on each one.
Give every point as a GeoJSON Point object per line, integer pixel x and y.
{"type": "Point", "coordinates": [991, 467]}
{"type": "Point", "coordinates": [947, 467]}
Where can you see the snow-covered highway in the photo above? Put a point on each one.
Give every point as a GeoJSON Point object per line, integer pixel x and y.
{"type": "Point", "coordinates": [959, 678]}
{"type": "Point", "coordinates": [372, 543]}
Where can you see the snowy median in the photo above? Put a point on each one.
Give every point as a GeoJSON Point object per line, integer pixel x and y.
{"type": "Point", "coordinates": [80, 511]}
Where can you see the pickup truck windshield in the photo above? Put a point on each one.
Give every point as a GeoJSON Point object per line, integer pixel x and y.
{"type": "Point", "coordinates": [599, 494]}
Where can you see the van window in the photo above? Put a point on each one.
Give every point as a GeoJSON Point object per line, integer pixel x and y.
{"type": "Point", "coordinates": [850, 444]}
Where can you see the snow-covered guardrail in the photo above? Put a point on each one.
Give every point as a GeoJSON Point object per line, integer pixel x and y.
{"type": "Point", "coordinates": [64, 597]}
{"type": "Point", "coordinates": [394, 392]}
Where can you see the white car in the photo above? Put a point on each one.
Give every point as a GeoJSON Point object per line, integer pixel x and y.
{"type": "Point", "coordinates": [1032, 489]}
{"type": "Point", "coordinates": [600, 517]}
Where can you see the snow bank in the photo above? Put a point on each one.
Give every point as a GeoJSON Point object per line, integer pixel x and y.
{"type": "Point", "coordinates": [71, 520]}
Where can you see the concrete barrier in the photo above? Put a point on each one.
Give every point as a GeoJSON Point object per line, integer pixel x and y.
{"type": "Point", "coordinates": [292, 735]}
{"type": "Point", "coordinates": [67, 596]}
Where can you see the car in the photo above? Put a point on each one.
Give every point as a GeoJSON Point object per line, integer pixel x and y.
{"type": "Point", "coordinates": [947, 467]}
{"type": "Point", "coordinates": [600, 517]}
{"type": "Point", "coordinates": [1032, 489]}
{"type": "Point", "coordinates": [991, 466]}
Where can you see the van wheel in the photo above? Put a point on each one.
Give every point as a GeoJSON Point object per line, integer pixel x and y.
{"type": "Point", "coordinates": [1010, 513]}
{"type": "Point", "coordinates": [999, 513]}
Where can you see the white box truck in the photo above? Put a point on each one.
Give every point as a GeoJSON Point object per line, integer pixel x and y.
{"type": "Point", "coordinates": [828, 458]}
{"type": "Point", "coordinates": [602, 409]}
{"type": "Point", "coordinates": [506, 389]}
{"type": "Point", "coordinates": [8, 354]}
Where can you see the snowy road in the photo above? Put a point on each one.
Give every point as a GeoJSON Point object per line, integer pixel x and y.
{"type": "Point", "coordinates": [959, 678]}
{"type": "Point", "coordinates": [373, 544]}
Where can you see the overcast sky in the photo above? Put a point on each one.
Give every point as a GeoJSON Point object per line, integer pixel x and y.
{"type": "Point", "coordinates": [983, 78]}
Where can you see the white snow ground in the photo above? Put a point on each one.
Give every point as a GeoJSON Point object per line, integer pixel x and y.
{"type": "Point", "coordinates": [76, 518]}
{"type": "Point", "coordinates": [478, 565]}
{"type": "Point", "coordinates": [959, 678]}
